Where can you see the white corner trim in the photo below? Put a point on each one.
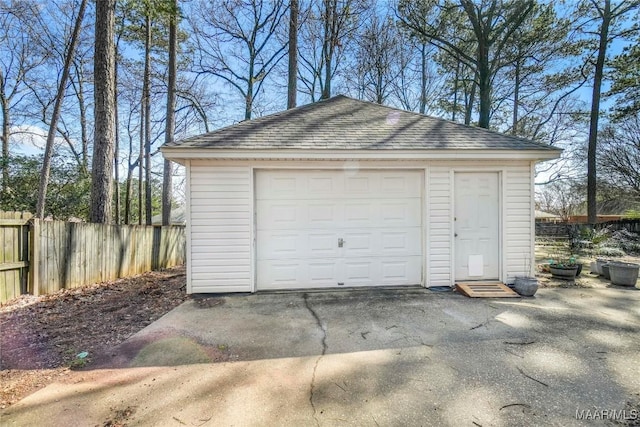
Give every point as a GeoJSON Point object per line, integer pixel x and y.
{"type": "Point", "coordinates": [187, 230]}
{"type": "Point", "coordinates": [532, 253]}
{"type": "Point", "coordinates": [426, 227]}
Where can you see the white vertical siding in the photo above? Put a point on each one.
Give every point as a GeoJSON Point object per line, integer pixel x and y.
{"type": "Point", "coordinates": [221, 220]}
{"type": "Point", "coordinates": [439, 218]}
{"type": "Point", "coordinates": [220, 232]}
{"type": "Point", "coordinates": [518, 223]}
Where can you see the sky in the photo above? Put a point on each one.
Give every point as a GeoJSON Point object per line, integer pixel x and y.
{"type": "Point", "coordinates": [31, 138]}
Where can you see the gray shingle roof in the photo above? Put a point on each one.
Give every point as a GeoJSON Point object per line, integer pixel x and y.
{"type": "Point", "coordinates": [342, 123]}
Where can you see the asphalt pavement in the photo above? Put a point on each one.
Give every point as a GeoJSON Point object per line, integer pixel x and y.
{"type": "Point", "coordinates": [377, 357]}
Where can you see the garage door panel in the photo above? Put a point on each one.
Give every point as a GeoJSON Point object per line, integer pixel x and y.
{"type": "Point", "coordinates": [299, 214]}
{"type": "Point", "coordinates": [322, 244]}
{"type": "Point", "coordinates": [298, 273]}
{"type": "Point", "coordinates": [382, 242]}
{"type": "Point", "coordinates": [296, 244]}
{"type": "Point", "coordinates": [400, 213]}
{"type": "Point", "coordinates": [322, 214]}
{"type": "Point", "coordinates": [302, 216]}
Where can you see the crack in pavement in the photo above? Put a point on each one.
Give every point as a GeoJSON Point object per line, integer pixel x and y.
{"type": "Point", "coordinates": [324, 350]}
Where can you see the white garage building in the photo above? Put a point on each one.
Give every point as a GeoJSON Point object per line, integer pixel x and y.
{"type": "Point", "coordinates": [344, 193]}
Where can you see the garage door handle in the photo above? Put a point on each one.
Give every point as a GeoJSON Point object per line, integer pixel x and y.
{"type": "Point", "coordinates": [455, 234]}
{"type": "Point", "coordinates": [340, 242]}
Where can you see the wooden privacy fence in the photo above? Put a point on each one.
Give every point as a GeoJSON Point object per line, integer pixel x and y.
{"type": "Point", "coordinates": [42, 257]}
{"type": "Point", "coordinates": [14, 255]}
{"type": "Point", "coordinates": [563, 229]}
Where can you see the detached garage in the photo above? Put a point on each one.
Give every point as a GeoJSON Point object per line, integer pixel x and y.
{"type": "Point", "coordinates": [346, 193]}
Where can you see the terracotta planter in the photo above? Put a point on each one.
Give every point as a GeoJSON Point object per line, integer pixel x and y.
{"type": "Point", "coordinates": [566, 273]}
{"type": "Point", "coordinates": [526, 286]}
{"type": "Point", "coordinates": [624, 273]}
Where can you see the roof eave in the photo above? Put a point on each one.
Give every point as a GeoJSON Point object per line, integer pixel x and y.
{"type": "Point", "coordinates": [179, 154]}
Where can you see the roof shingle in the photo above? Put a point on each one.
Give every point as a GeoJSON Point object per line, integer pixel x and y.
{"type": "Point", "coordinates": [342, 123]}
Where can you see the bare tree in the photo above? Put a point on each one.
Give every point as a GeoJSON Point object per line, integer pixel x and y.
{"type": "Point", "coordinates": [292, 86]}
{"type": "Point", "coordinates": [18, 59]}
{"type": "Point", "coordinates": [607, 16]}
{"type": "Point", "coordinates": [619, 154]}
{"type": "Point", "coordinates": [492, 25]}
{"type": "Point", "coordinates": [327, 30]}
{"type": "Point", "coordinates": [53, 127]}
{"type": "Point", "coordinates": [377, 59]}
{"type": "Point", "coordinates": [236, 43]}
{"type": "Point", "coordinates": [171, 114]}
{"type": "Point", "coordinates": [104, 59]}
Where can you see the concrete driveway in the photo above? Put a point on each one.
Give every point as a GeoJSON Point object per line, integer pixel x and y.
{"type": "Point", "coordinates": [366, 357]}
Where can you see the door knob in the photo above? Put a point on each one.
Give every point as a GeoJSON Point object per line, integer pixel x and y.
{"type": "Point", "coordinates": [455, 234]}
{"type": "Point", "coordinates": [340, 242]}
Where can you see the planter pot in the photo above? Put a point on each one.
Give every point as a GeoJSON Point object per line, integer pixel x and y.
{"type": "Point", "coordinates": [599, 263]}
{"type": "Point", "coordinates": [605, 271]}
{"type": "Point", "coordinates": [624, 273]}
{"type": "Point", "coordinates": [526, 286]}
{"type": "Point", "coordinates": [579, 269]}
{"type": "Point", "coordinates": [593, 268]}
{"type": "Point", "coordinates": [566, 273]}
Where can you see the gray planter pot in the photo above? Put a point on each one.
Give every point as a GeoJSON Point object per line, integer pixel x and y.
{"type": "Point", "coordinates": [599, 263]}
{"type": "Point", "coordinates": [605, 271]}
{"type": "Point", "coordinates": [624, 273]}
{"type": "Point", "coordinates": [566, 273]}
{"type": "Point", "coordinates": [526, 286]}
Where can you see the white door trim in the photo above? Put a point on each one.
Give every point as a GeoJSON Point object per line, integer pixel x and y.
{"type": "Point", "coordinates": [502, 209]}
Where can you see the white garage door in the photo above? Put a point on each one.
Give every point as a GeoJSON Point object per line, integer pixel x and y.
{"type": "Point", "coordinates": [318, 229]}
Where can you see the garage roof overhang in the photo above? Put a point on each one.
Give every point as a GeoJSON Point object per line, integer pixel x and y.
{"type": "Point", "coordinates": [181, 155]}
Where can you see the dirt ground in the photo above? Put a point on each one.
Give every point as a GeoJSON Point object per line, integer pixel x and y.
{"type": "Point", "coordinates": [43, 338]}
{"type": "Point", "coordinates": [585, 280]}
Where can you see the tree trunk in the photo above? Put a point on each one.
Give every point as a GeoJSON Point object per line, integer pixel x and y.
{"type": "Point", "coordinates": [423, 78]}
{"type": "Point", "coordinates": [140, 164]}
{"type": "Point", "coordinates": [83, 126]}
{"type": "Point", "coordinates": [484, 87]}
{"type": "Point", "coordinates": [293, 55]}
{"type": "Point", "coordinates": [327, 50]}
{"type": "Point", "coordinates": [516, 99]}
{"type": "Point", "coordinates": [455, 92]}
{"type": "Point", "coordinates": [147, 119]}
{"type": "Point", "coordinates": [117, 137]}
{"type": "Point", "coordinates": [171, 112]}
{"type": "Point", "coordinates": [5, 143]}
{"type": "Point", "coordinates": [131, 166]}
{"type": "Point", "coordinates": [592, 208]}
{"type": "Point", "coordinates": [127, 196]}
{"type": "Point", "coordinates": [248, 104]}
{"type": "Point", "coordinates": [102, 180]}
{"type": "Point", "coordinates": [55, 116]}
{"type": "Point", "coordinates": [469, 106]}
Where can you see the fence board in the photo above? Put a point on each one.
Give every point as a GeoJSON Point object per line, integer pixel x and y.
{"type": "Point", "coordinates": [46, 256]}
{"type": "Point", "coordinates": [13, 259]}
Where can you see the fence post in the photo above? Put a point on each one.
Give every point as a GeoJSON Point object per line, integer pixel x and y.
{"type": "Point", "coordinates": [34, 256]}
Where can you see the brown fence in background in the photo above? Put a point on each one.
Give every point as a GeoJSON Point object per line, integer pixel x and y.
{"type": "Point", "coordinates": [563, 229]}
{"type": "Point", "coordinates": [41, 257]}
